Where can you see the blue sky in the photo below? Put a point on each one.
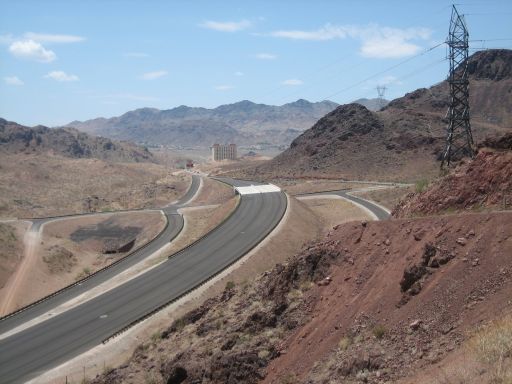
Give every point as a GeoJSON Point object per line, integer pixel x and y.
{"type": "Point", "coordinates": [75, 60]}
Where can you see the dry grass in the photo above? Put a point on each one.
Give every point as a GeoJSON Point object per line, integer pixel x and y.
{"type": "Point", "coordinates": [486, 357]}
{"type": "Point", "coordinates": [492, 346]}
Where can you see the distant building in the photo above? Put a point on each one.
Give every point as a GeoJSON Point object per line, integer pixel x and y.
{"type": "Point", "coordinates": [223, 151]}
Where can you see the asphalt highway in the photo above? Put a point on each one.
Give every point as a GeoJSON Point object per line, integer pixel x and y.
{"type": "Point", "coordinates": [173, 228]}
{"type": "Point", "coordinates": [380, 213]}
{"type": "Point", "coordinates": [28, 353]}
{"type": "Point", "coordinates": [376, 210]}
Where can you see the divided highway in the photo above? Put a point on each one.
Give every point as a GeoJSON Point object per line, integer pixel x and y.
{"type": "Point", "coordinates": [30, 352]}
{"type": "Point", "coordinates": [173, 228]}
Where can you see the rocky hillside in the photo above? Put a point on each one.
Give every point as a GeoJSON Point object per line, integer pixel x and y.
{"type": "Point", "coordinates": [68, 142]}
{"type": "Point", "coordinates": [483, 183]}
{"type": "Point", "coordinates": [372, 104]}
{"type": "Point", "coordinates": [244, 122]}
{"type": "Point", "coordinates": [375, 302]}
{"type": "Point", "coordinates": [403, 141]}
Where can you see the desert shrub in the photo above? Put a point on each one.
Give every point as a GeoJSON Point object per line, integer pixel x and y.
{"type": "Point", "coordinates": [421, 185]}
{"type": "Point", "coordinates": [344, 343]}
{"type": "Point", "coordinates": [379, 331]}
{"type": "Point", "coordinates": [288, 378]}
{"type": "Point", "coordinates": [230, 285]}
{"type": "Point", "coordinates": [180, 323]}
{"type": "Point", "coordinates": [263, 354]}
{"type": "Point", "coordinates": [155, 336]}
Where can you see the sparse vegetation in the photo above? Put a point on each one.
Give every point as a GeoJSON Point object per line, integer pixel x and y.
{"type": "Point", "coordinates": [85, 272]}
{"type": "Point", "coordinates": [344, 343]}
{"type": "Point", "coordinates": [421, 185]}
{"type": "Point", "coordinates": [155, 336]}
{"type": "Point", "coordinates": [289, 378]}
{"type": "Point", "coordinates": [492, 346]}
{"type": "Point", "coordinates": [230, 285]}
{"type": "Point", "coordinates": [379, 331]}
{"type": "Point", "coordinates": [59, 259]}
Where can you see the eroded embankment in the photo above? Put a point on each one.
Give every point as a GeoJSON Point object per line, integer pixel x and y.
{"type": "Point", "coordinates": [382, 300]}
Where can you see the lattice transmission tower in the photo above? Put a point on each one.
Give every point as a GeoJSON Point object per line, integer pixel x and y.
{"type": "Point", "coordinates": [459, 139]}
{"type": "Point", "coordinates": [381, 90]}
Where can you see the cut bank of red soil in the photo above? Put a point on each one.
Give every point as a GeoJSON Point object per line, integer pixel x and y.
{"type": "Point", "coordinates": [455, 271]}
{"type": "Point", "coordinates": [373, 302]}
{"type": "Point", "coordinates": [483, 183]}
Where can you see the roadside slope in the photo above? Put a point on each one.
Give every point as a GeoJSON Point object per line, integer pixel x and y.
{"type": "Point", "coordinates": [343, 308]}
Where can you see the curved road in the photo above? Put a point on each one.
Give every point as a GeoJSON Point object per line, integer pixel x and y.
{"type": "Point", "coordinates": [378, 211]}
{"type": "Point", "coordinates": [30, 352]}
{"type": "Point", "coordinates": [173, 228]}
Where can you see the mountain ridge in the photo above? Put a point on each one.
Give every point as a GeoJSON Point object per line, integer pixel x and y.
{"type": "Point", "coordinates": [67, 142]}
{"type": "Point", "coordinates": [243, 122]}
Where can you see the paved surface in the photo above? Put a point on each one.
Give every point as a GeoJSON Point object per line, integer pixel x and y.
{"type": "Point", "coordinates": [378, 211]}
{"type": "Point", "coordinates": [30, 352]}
{"type": "Point", "coordinates": [174, 227]}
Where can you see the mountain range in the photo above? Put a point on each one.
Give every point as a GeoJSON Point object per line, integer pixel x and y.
{"type": "Point", "coordinates": [243, 123]}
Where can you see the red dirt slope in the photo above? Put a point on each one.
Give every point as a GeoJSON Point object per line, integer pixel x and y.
{"type": "Point", "coordinates": [485, 182]}
{"type": "Point", "coordinates": [375, 302]}
{"type": "Point", "coordinates": [400, 296]}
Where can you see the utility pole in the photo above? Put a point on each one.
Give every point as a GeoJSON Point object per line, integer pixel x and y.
{"type": "Point", "coordinates": [459, 139]}
{"type": "Point", "coordinates": [381, 90]}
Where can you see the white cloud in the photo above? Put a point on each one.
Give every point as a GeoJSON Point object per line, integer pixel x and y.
{"type": "Point", "coordinates": [153, 75]}
{"type": "Point", "coordinates": [226, 26]}
{"type": "Point", "coordinates": [49, 38]}
{"type": "Point", "coordinates": [292, 82]}
{"type": "Point", "coordinates": [224, 87]}
{"type": "Point", "coordinates": [265, 56]}
{"type": "Point", "coordinates": [238, 73]}
{"type": "Point", "coordinates": [376, 41]}
{"type": "Point", "coordinates": [13, 80]}
{"type": "Point", "coordinates": [29, 49]}
{"type": "Point", "coordinates": [61, 76]}
{"type": "Point", "coordinates": [136, 54]}
{"type": "Point", "coordinates": [384, 42]}
{"type": "Point", "coordinates": [327, 32]}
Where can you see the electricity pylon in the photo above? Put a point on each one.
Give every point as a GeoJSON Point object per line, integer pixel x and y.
{"type": "Point", "coordinates": [459, 139]}
{"type": "Point", "coordinates": [381, 90]}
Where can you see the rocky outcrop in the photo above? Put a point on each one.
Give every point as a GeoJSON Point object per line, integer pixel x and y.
{"type": "Point", "coordinates": [479, 184]}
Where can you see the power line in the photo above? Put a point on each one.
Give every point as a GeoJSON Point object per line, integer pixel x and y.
{"type": "Point", "coordinates": [385, 70]}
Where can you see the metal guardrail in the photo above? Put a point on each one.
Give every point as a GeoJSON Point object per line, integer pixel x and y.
{"type": "Point", "coordinates": [201, 283]}
{"type": "Point", "coordinates": [79, 282]}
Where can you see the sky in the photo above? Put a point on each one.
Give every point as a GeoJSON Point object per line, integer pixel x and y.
{"type": "Point", "coordinates": [76, 60]}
